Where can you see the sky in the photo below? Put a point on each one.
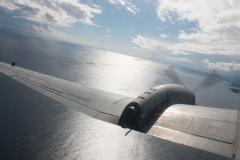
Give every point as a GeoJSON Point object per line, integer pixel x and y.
{"type": "Point", "coordinates": [195, 34]}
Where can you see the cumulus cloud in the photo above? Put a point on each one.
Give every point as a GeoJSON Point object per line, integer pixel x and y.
{"type": "Point", "coordinates": [177, 59]}
{"type": "Point", "coordinates": [51, 12]}
{"type": "Point", "coordinates": [163, 36]}
{"type": "Point", "coordinates": [129, 6]}
{"type": "Point", "coordinates": [214, 17]}
{"type": "Point", "coordinates": [218, 23]}
{"type": "Point", "coordinates": [231, 66]}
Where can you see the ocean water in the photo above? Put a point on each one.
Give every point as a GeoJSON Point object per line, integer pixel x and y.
{"type": "Point", "coordinates": [36, 127]}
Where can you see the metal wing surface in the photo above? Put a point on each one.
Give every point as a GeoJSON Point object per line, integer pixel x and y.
{"type": "Point", "coordinates": [95, 103]}
{"type": "Point", "coordinates": [205, 128]}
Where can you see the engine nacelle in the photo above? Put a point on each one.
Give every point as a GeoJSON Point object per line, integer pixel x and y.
{"type": "Point", "coordinates": [135, 112]}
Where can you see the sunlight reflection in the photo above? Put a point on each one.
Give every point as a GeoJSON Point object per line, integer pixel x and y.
{"type": "Point", "coordinates": [122, 74]}
{"type": "Point", "coordinates": [132, 76]}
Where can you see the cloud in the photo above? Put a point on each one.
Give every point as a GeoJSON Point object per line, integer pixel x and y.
{"type": "Point", "coordinates": [176, 59]}
{"type": "Point", "coordinates": [113, 1]}
{"type": "Point", "coordinates": [163, 36]}
{"type": "Point", "coordinates": [186, 48]}
{"type": "Point", "coordinates": [158, 46]}
{"type": "Point", "coordinates": [45, 29]}
{"type": "Point", "coordinates": [232, 66]}
{"type": "Point", "coordinates": [213, 17]}
{"type": "Point", "coordinates": [206, 48]}
{"type": "Point", "coordinates": [129, 6]}
{"type": "Point", "coordinates": [146, 43]}
{"type": "Point", "coordinates": [51, 12]}
{"type": "Point", "coordinates": [217, 23]}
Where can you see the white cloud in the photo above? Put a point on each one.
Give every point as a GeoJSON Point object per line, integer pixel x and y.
{"type": "Point", "coordinates": [185, 48]}
{"type": "Point", "coordinates": [177, 59]}
{"type": "Point", "coordinates": [232, 66]}
{"type": "Point", "coordinates": [212, 16]}
{"type": "Point", "coordinates": [217, 23]}
{"type": "Point", "coordinates": [148, 43]}
{"type": "Point", "coordinates": [46, 29]}
{"type": "Point", "coordinates": [96, 6]}
{"type": "Point", "coordinates": [163, 36]}
{"type": "Point", "coordinates": [112, 1]}
{"type": "Point", "coordinates": [129, 6]}
{"type": "Point", "coordinates": [208, 48]}
{"type": "Point", "coordinates": [57, 12]}
{"type": "Point", "coordinates": [141, 41]}
{"type": "Point", "coordinates": [158, 46]}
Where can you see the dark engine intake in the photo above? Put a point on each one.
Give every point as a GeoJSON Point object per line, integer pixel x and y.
{"type": "Point", "coordinates": [134, 113]}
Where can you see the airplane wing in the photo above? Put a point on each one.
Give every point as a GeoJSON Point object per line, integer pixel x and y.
{"type": "Point", "coordinates": [95, 103]}
{"type": "Point", "coordinates": [209, 129]}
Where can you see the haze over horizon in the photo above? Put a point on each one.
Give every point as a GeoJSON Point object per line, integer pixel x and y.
{"type": "Point", "coordinates": [200, 35]}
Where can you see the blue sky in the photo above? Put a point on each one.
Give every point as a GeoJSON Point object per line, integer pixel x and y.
{"type": "Point", "coordinates": [198, 34]}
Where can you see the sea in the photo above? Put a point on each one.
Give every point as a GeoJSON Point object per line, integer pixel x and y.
{"type": "Point", "coordinates": [33, 126]}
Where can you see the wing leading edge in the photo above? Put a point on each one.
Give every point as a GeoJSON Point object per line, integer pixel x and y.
{"type": "Point", "coordinates": [95, 103]}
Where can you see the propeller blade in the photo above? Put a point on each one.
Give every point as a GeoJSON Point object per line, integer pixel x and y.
{"type": "Point", "coordinates": [172, 74]}
{"type": "Point", "coordinates": [209, 81]}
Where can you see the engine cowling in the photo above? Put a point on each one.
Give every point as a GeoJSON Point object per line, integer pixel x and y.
{"type": "Point", "coordinates": [135, 112]}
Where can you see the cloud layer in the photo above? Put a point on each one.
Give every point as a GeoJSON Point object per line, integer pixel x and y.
{"type": "Point", "coordinates": [216, 19]}
{"type": "Point", "coordinates": [148, 43]}
{"type": "Point", "coordinates": [177, 59]}
{"type": "Point", "coordinates": [159, 46]}
{"type": "Point", "coordinates": [217, 28]}
{"type": "Point", "coordinates": [232, 66]}
{"type": "Point", "coordinates": [57, 12]}
{"type": "Point", "coordinates": [218, 24]}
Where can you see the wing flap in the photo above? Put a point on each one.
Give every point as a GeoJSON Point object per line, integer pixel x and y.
{"type": "Point", "coordinates": [205, 128]}
{"type": "Point", "coordinates": [210, 145]}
